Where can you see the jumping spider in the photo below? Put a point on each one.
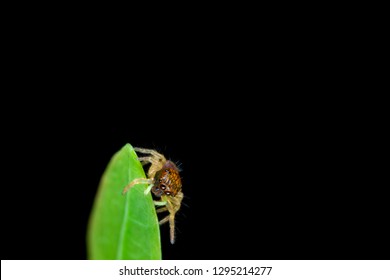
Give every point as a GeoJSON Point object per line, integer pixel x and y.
{"type": "Point", "coordinates": [164, 182]}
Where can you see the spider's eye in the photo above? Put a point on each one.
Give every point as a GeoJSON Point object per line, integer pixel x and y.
{"type": "Point", "coordinates": [163, 187]}
{"type": "Point", "coordinates": [168, 193]}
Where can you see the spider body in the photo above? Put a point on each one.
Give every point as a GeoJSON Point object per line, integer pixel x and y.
{"type": "Point", "coordinates": [164, 182]}
{"type": "Point", "coordinates": [167, 180]}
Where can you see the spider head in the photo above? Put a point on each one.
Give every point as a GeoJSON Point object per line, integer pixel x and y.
{"type": "Point", "coordinates": [157, 190]}
{"type": "Point", "coordinates": [167, 180]}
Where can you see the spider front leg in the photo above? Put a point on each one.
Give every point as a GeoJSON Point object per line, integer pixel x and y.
{"type": "Point", "coordinates": [156, 159]}
{"type": "Point", "coordinates": [150, 152]}
{"type": "Point", "coordinates": [139, 181]}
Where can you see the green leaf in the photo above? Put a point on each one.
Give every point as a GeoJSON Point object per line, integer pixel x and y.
{"type": "Point", "coordinates": [123, 226]}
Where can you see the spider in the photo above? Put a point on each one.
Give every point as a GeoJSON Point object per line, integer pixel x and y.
{"type": "Point", "coordinates": [164, 182]}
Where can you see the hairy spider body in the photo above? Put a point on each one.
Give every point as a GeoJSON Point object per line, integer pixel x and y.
{"type": "Point", "coordinates": [167, 180]}
{"type": "Point", "coordinates": [164, 182]}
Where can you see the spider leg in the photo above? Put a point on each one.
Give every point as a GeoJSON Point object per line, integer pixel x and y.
{"type": "Point", "coordinates": [146, 160]}
{"type": "Point", "coordinates": [150, 152]}
{"type": "Point", "coordinates": [163, 221]}
{"type": "Point", "coordinates": [157, 164]}
{"type": "Point", "coordinates": [171, 219]}
{"type": "Point", "coordinates": [159, 203]}
{"type": "Point", "coordinates": [162, 209]}
{"type": "Point", "coordinates": [173, 205]}
{"type": "Point", "coordinates": [136, 182]}
{"type": "Point", "coordinates": [148, 188]}
{"type": "Point", "coordinates": [175, 202]}
{"type": "Point", "coordinates": [172, 227]}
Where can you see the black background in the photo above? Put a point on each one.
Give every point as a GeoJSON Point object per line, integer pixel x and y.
{"type": "Point", "coordinates": [281, 157]}
{"type": "Point", "coordinates": [277, 164]}
{"type": "Point", "coordinates": [266, 182]}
